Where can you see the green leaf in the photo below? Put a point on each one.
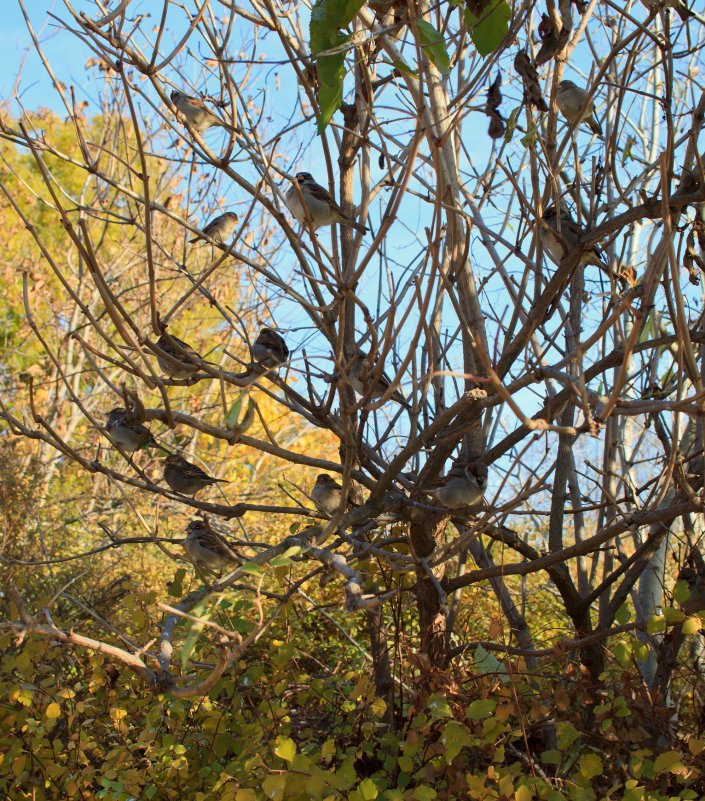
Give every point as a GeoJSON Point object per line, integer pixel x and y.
{"type": "Point", "coordinates": [331, 71]}
{"type": "Point", "coordinates": [285, 559]}
{"type": "Point", "coordinates": [285, 748]}
{"type": "Point", "coordinates": [511, 124]}
{"type": "Point", "coordinates": [455, 737]}
{"type": "Point", "coordinates": [194, 634]}
{"type": "Point", "coordinates": [232, 416]}
{"type": "Point", "coordinates": [252, 568]}
{"type": "Point", "coordinates": [623, 614]}
{"type": "Point", "coordinates": [656, 624]}
{"type": "Point", "coordinates": [622, 653]}
{"type": "Point", "coordinates": [402, 66]}
{"type": "Point", "coordinates": [176, 587]}
{"type": "Point", "coordinates": [590, 765]}
{"type": "Point", "coordinates": [485, 662]}
{"type": "Point", "coordinates": [424, 793]}
{"type": "Point", "coordinates": [673, 615]}
{"type": "Point", "coordinates": [529, 138]}
{"type": "Point", "coordinates": [551, 757]}
{"type": "Point", "coordinates": [434, 46]}
{"type": "Point", "coordinates": [482, 708]}
{"type": "Point", "coordinates": [368, 790]}
{"type": "Point", "coordinates": [670, 761]}
{"type": "Point", "coordinates": [681, 592]}
{"type": "Point", "coordinates": [327, 18]}
{"type": "Point", "coordinates": [438, 707]}
{"type": "Point", "coordinates": [488, 31]}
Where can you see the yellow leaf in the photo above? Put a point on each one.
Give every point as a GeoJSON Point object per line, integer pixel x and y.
{"type": "Point", "coordinates": [523, 794]}
{"type": "Point", "coordinates": [53, 711]}
{"type": "Point", "coordinates": [378, 707]}
{"type": "Point", "coordinates": [692, 625]}
{"type": "Point", "coordinates": [695, 745]}
{"type": "Point", "coordinates": [245, 794]}
{"type": "Point", "coordinates": [285, 748]}
{"type": "Point", "coordinates": [590, 765]}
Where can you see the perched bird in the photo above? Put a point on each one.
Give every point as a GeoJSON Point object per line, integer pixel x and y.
{"type": "Point", "coordinates": [196, 113]}
{"type": "Point", "coordinates": [574, 106]}
{"type": "Point", "coordinates": [355, 377]}
{"type": "Point", "coordinates": [181, 360]}
{"type": "Point", "coordinates": [185, 477]}
{"type": "Point", "coordinates": [204, 547]}
{"type": "Point", "coordinates": [127, 435]}
{"type": "Point", "coordinates": [269, 349]}
{"type": "Point", "coordinates": [220, 228]}
{"type": "Point", "coordinates": [561, 237]}
{"type": "Point", "coordinates": [463, 486]}
{"type": "Point", "coordinates": [321, 209]}
{"type": "Point", "coordinates": [680, 7]}
{"type": "Point", "coordinates": [327, 494]}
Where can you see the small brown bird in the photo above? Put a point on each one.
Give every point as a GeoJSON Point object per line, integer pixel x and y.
{"type": "Point", "coordinates": [574, 106]}
{"type": "Point", "coordinates": [129, 436]}
{"type": "Point", "coordinates": [219, 229]}
{"type": "Point", "coordinates": [205, 548]}
{"type": "Point", "coordinates": [321, 209]}
{"type": "Point", "coordinates": [180, 359]}
{"type": "Point", "coordinates": [562, 235]}
{"type": "Point", "coordinates": [197, 114]}
{"type": "Point", "coordinates": [187, 478]}
{"type": "Point", "coordinates": [463, 486]}
{"type": "Point", "coordinates": [361, 366]}
{"type": "Point", "coordinates": [269, 349]}
{"type": "Point", "coordinates": [327, 494]}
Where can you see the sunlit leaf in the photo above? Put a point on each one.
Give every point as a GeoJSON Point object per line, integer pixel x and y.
{"type": "Point", "coordinates": [53, 711]}
{"type": "Point", "coordinates": [692, 625]}
{"type": "Point", "coordinates": [285, 748]}
{"type": "Point", "coordinates": [367, 790]}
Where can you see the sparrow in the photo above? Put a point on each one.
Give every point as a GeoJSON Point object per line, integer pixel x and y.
{"type": "Point", "coordinates": [219, 229]}
{"type": "Point", "coordinates": [680, 7]}
{"type": "Point", "coordinates": [269, 349]}
{"type": "Point", "coordinates": [327, 494]}
{"type": "Point", "coordinates": [196, 113]}
{"type": "Point", "coordinates": [463, 486]}
{"type": "Point", "coordinates": [185, 477]}
{"type": "Point", "coordinates": [355, 377]}
{"type": "Point", "coordinates": [205, 547]}
{"type": "Point", "coordinates": [127, 435]}
{"type": "Point", "coordinates": [574, 106]}
{"type": "Point", "coordinates": [320, 206]}
{"type": "Point", "coordinates": [181, 360]}
{"type": "Point", "coordinates": [561, 239]}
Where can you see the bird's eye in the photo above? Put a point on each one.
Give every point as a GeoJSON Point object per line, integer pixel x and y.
{"type": "Point", "coordinates": [480, 480]}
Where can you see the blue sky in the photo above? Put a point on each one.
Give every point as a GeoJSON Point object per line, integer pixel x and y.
{"type": "Point", "coordinates": [16, 52]}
